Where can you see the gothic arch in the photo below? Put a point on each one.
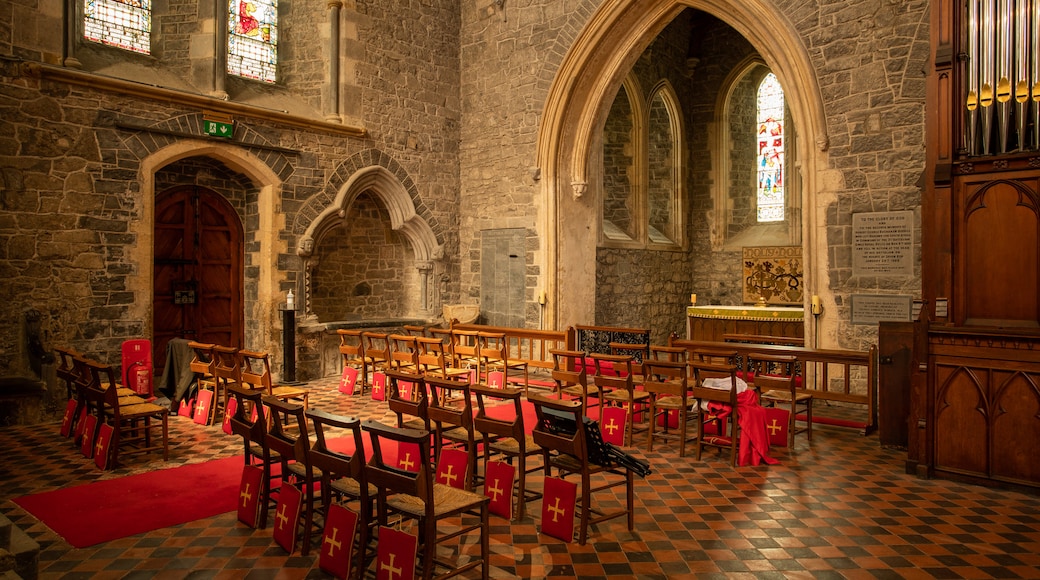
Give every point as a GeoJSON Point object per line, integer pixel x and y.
{"type": "Point", "coordinates": [594, 66]}
{"type": "Point", "coordinates": [263, 334]}
{"type": "Point", "coordinates": [382, 184]}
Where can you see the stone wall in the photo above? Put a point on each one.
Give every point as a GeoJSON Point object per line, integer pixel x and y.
{"type": "Point", "coordinates": [71, 158]}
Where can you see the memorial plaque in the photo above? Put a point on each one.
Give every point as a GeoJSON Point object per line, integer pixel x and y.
{"type": "Point", "coordinates": [883, 243]}
{"type": "Point", "coordinates": [872, 309]}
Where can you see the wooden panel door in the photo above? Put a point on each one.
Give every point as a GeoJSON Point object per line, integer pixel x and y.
{"type": "Point", "coordinates": [197, 292]}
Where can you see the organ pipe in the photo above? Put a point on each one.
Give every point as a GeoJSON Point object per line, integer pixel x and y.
{"type": "Point", "coordinates": [1003, 75]}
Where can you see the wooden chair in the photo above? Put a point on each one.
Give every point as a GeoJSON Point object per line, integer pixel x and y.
{"type": "Point", "coordinates": [667, 383]}
{"type": "Point", "coordinates": [562, 434]}
{"type": "Point", "coordinates": [465, 346]}
{"type": "Point", "coordinates": [255, 442]}
{"type": "Point", "coordinates": [416, 407]}
{"type": "Point", "coordinates": [202, 361]}
{"type": "Point", "coordinates": [450, 413]}
{"type": "Point", "coordinates": [727, 431]}
{"type": "Point", "coordinates": [256, 374]}
{"type": "Point", "coordinates": [294, 456]}
{"type": "Point", "coordinates": [639, 352]}
{"type": "Point", "coordinates": [352, 348]}
{"type": "Point", "coordinates": [404, 352]}
{"type": "Point", "coordinates": [66, 370]}
{"type": "Point", "coordinates": [506, 437]}
{"type": "Point", "coordinates": [377, 350]}
{"type": "Point", "coordinates": [571, 377]}
{"type": "Point", "coordinates": [494, 356]}
{"type": "Point", "coordinates": [776, 382]}
{"type": "Point", "coordinates": [435, 360]}
{"type": "Point", "coordinates": [227, 370]}
{"type": "Point", "coordinates": [418, 497]}
{"type": "Point", "coordinates": [619, 387]}
{"type": "Point", "coordinates": [343, 477]}
{"type": "Point", "coordinates": [137, 426]}
{"type": "Point", "coordinates": [415, 330]}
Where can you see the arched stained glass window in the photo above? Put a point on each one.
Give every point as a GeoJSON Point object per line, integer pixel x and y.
{"type": "Point", "coordinates": [253, 39]}
{"type": "Point", "coordinates": [123, 23]}
{"type": "Point", "coordinates": [770, 166]}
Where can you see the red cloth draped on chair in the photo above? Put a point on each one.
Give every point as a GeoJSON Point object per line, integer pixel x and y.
{"type": "Point", "coordinates": [754, 442]}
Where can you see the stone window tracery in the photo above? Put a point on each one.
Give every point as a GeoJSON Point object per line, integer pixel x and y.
{"type": "Point", "coordinates": [642, 169]}
{"type": "Point", "coordinates": [125, 24]}
{"type": "Point", "coordinates": [253, 39]}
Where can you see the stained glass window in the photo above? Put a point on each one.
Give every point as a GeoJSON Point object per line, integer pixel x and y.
{"type": "Point", "coordinates": [770, 128]}
{"type": "Point", "coordinates": [253, 39]}
{"type": "Point", "coordinates": [123, 23]}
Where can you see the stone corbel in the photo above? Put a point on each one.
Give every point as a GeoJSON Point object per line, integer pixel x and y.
{"type": "Point", "coordinates": [580, 187]}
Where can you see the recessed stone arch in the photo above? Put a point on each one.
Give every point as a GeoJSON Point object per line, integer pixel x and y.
{"type": "Point", "coordinates": [579, 98]}
{"type": "Point", "coordinates": [382, 184]}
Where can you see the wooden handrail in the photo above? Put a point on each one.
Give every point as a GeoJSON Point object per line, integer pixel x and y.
{"type": "Point", "coordinates": [528, 344]}
{"type": "Point", "coordinates": [822, 360]}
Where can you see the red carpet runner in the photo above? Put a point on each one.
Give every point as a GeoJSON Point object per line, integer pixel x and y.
{"type": "Point", "coordinates": [99, 512]}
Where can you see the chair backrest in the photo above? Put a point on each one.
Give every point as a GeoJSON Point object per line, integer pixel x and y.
{"type": "Point", "coordinates": [667, 378]}
{"type": "Point", "coordinates": [465, 344]}
{"type": "Point", "coordinates": [242, 424]}
{"type": "Point", "coordinates": [350, 344]}
{"type": "Point", "coordinates": [493, 347]}
{"type": "Point", "coordinates": [720, 356]}
{"type": "Point", "coordinates": [415, 406]}
{"type": "Point", "coordinates": [203, 358]}
{"type": "Point", "coordinates": [619, 364]}
{"type": "Point", "coordinates": [227, 367]}
{"type": "Point", "coordinates": [336, 464]}
{"type": "Point", "coordinates": [772, 364]}
{"type": "Point", "coordinates": [776, 383]}
{"type": "Point", "coordinates": [291, 447]}
{"type": "Point", "coordinates": [103, 392]}
{"type": "Point", "coordinates": [569, 368]}
{"type": "Point", "coordinates": [433, 354]}
{"type": "Point", "coordinates": [668, 353]}
{"type": "Point", "coordinates": [638, 351]}
{"type": "Point", "coordinates": [377, 346]}
{"type": "Point", "coordinates": [67, 370]}
{"type": "Point", "coordinates": [488, 425]}
{"type": "Point", "coordinates": [255, 370]}
{"type": "Point", "coordinates": [446, 416]}
{"type": "Point", "coordinates": [404, 351]}
{"type": "Point", "coordinates": [414, 330]}
{"type": "Point", "coordinates": [390, 478]}
{"type": "Point", "coordinates": [560, 427]}
{"type": "Point", "coordinates": [707, 370]}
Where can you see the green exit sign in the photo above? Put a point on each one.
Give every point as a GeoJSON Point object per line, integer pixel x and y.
{"type": "Point", "coordinates": [219, 128]}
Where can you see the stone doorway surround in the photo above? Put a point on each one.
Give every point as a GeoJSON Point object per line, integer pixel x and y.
{"type": "Point", "coordinates": [580, 97]}
{"type": "Point", "coordinates": [262, 323]}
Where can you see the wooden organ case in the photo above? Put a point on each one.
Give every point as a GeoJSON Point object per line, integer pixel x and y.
{"type": "Point", "coordinates": [975, 371]}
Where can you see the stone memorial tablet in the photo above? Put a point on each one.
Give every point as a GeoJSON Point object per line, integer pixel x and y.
{"type": "Point", "coordinates": [883, 243]}
{"type": "Point", "coordinates": [871, 309]}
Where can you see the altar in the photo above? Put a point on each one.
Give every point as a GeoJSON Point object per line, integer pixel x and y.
{"type": "Point", "coordinates": [714, 322]}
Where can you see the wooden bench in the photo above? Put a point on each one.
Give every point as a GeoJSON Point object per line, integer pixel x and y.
{"type": "Point", "coordinates": [828, 374]}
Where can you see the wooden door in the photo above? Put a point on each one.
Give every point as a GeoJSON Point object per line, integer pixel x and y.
{"type": "Point", "coordinates": [197, 291]}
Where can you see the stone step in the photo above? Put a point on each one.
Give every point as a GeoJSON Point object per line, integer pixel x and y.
{"type": "Point", "coordinates": [19, 554]}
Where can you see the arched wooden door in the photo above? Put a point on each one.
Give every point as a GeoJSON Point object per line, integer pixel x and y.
{"type": "Point", "coordinates": [197, 290]}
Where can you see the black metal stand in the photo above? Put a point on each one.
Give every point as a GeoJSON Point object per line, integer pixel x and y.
{"type": "Point", "coordinates": [289, 345]}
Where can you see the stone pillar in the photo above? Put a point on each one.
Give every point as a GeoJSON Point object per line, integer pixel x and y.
{"type": "Point", "coordinates": [220, 49]}
{"type": "Point", "coordinates": [333, 113]}
{"type": "Point", "coordinates": [72, 18]}
{"type": "Point", "coordinates": [425, 270]}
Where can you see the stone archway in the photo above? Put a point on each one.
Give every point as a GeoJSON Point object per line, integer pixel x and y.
{"type": "Point", "coordinates": [380, 183]}
{"type": "Point", "coordinates": [262, 332]}
{"type": "Point", "coordinates": [578, 101]}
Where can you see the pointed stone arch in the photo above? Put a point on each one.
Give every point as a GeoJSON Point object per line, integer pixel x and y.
{"type": "Point", "coordinates": [579, 97]}
{"type": "Point", "coordinates": [382, 184]}
{"type": "Point", "coordinates": [260, 321]}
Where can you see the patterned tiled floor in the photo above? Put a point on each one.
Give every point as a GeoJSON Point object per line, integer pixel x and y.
{"type": "Point", "coordinates": [840, 507]}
